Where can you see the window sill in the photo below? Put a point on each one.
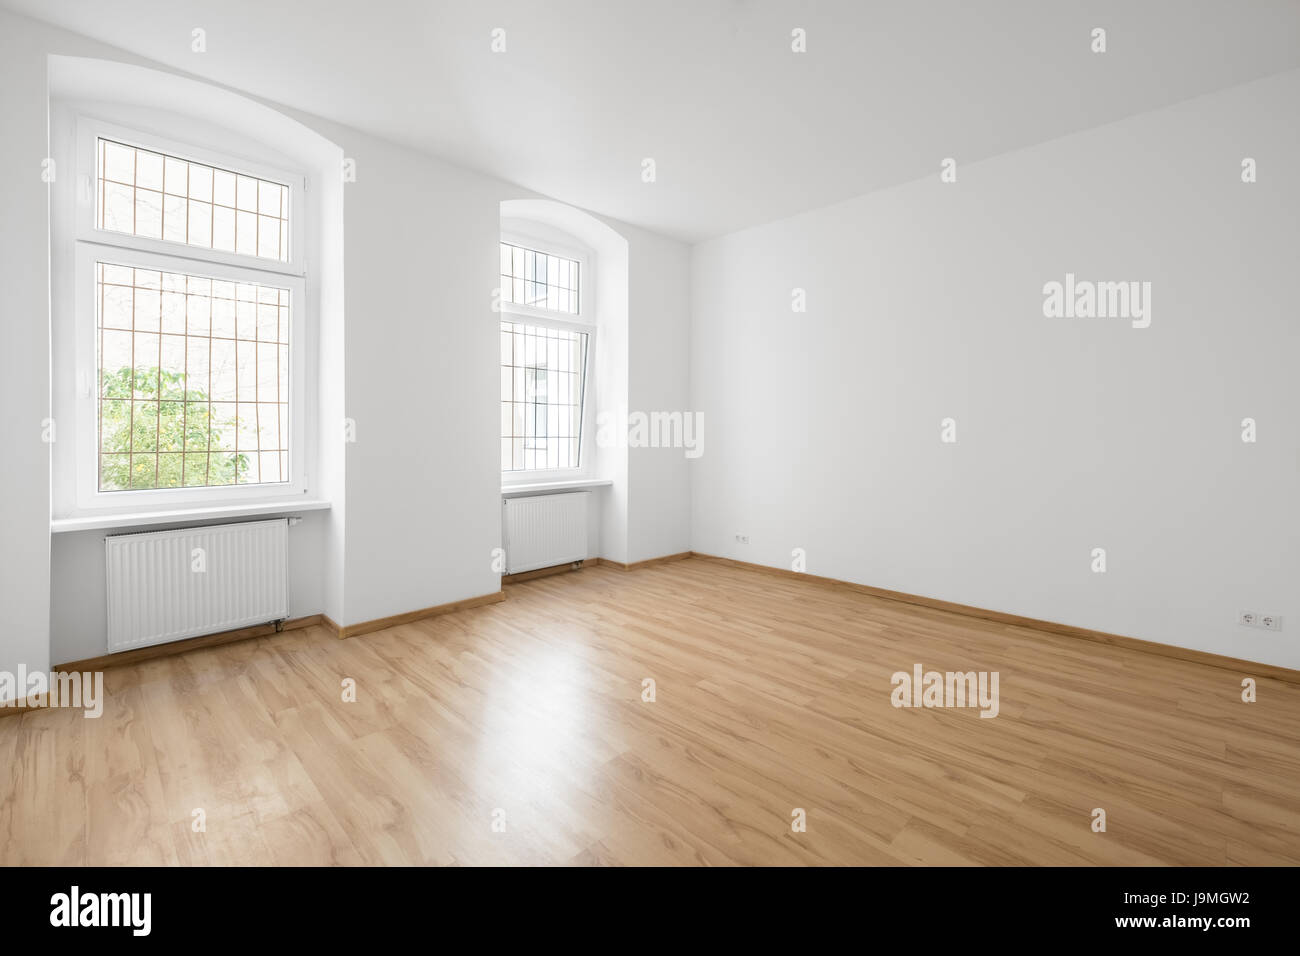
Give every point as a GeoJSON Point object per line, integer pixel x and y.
{"type": "Point", "coordinates": [563, 485]}
{"type": "Point", "coordinates": [136, 519]}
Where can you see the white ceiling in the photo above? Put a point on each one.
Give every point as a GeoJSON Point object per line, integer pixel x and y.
{"type": "Point", "coordinates": [742, 130]}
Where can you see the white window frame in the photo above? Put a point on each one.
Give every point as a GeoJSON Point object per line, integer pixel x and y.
{"type": "Point", "coordinates": [89, 131]}
{"type": "Point", "coordinates": [100, 245]}
{"type": "Point", "coordinates": [583, 321]}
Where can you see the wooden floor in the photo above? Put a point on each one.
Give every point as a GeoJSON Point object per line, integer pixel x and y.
{"type": "Point", "coordinates": [771, 694]}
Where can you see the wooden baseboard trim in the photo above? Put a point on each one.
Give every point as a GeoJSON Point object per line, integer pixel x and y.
{"type": "Point", "coordinates": [366, 627]}
{"type": "Point", "coordinates": [189, 644]}
{"type": "Point", "coordinates": [1252, 668]}
{"type": "Point", "coordinates": [648, 562]}
{"type": "Point", "coordinates": [541, 572]}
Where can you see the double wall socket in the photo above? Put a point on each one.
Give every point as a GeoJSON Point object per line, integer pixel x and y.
{"type": "Point", "coordinates": [1268, 622]}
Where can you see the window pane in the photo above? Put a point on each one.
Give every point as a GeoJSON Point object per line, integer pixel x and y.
{"type": "Point", "coordinates": [147, 194]}
{"type": "Point", "coordinates": [171, 393]}
{"type": "Point", "coordinates": [119, 163]}
{"type": "Point", "coordinates": [148, 213]}
{"type": "Point", "coordinates": [175, 224]}
{"type": "Point", "coordinates": [541, 410]}
{"type": "Point", "coordinates": [539, 279]}
{"type": "Point", "coordinates": [148, 171]}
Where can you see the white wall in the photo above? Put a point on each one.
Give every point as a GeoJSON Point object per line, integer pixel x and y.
{"type": "Point", "coordinates": [925, 302]}
{"type": "Point", "coordinates": [611, 369]}
{"type": "Point", "coordinates": [24, 359]}
{"type": "Point", "coordinates": [331, 450]}
{"type": "Point", "coordinates": [422, 385]}
{"type": "Point", "coordinates": [659, 489]}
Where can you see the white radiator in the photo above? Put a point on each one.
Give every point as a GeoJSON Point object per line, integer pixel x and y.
{"type": "Point", "coordinates": [168, 585]}
{"type": "Point", "coordinates": [545, 530]}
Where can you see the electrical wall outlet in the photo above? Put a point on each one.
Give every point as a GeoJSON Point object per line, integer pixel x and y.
{"type": "Point", "coordinates": [1267, 622]}
{"type": "Point", "coordinates": [742, 539]}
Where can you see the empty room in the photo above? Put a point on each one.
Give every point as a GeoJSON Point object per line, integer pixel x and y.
{"type": "Point", "coordinates": [566, 433]}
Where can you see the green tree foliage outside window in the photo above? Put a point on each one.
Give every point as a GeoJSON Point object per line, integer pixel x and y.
{"type": "Point", "coordinates": [156, 433]}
